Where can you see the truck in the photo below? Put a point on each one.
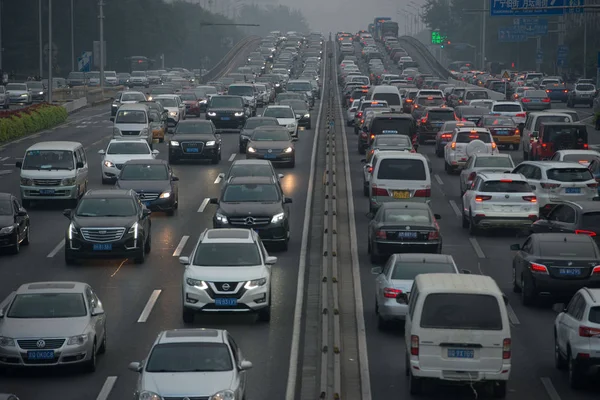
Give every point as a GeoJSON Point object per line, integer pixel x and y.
{"type": "Point", "coordinates": [372, 29]}
{"type": "Point", "coordinates": [378, 24]}
{"type": "Point", "coordinates": [389, 28]}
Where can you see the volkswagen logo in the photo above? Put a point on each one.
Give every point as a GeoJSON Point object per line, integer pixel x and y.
{"type": "Point", "coordinates": [226, 286]}
{"type": "Point", "coordinates": [270, 151]}
{"type": "Point", "coordinates": [249, 221]}
{"type": "Point", "coordinates": [40, 344]}
{"type": "Point", "coordinates": [506, 196]}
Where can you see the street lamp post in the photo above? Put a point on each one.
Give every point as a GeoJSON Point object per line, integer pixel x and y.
{"type": "Point", "coordinates": [41, 39]}
{"type": "Point", "coordinates": [72, 38]}
{"type": "Point", "coordinates": [50, 51]}
{"type": "Point", "coordinates": [101, 17]}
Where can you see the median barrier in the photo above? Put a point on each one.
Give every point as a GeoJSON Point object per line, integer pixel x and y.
{"type": "Point", "coordinates": [491, 94]}
{"type": "Point", "coordinates": [26, 121]}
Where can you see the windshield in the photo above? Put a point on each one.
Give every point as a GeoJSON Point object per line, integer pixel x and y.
{"type": "Point", "coordinates": [430, 101]}
{"type": "Point", "coordinates": [189, 357]}
{"type": "Point", "coordinates": [227, 255]}
{"type": "Point", "coordinates": [569, 174]}
{"type": "Point", "coordinates": [580, 157]}
{"type": "Point", "coordinates": [542, 119]}
{"type": "Point", "coordinates": [461, 311]}
{"type": "Point", "coordinates": [108, 207]}
{"type": "Point", "coordinates": [35, 85]}
{"type": "Point", "coordinates": [237, 193]}
{"type": "Point", "coordinates": [128, 148]}
{"type": "Point", "coordinates": [381, 142]}
{"type": "Point", "coordinates": [130, 117]}
{"type": "Point", "coordinates": [505, 186]}
{"type": "Point", "coordinates": [264, 135]}
{"type": "Point", "coordinates": [585, 87]}
{"type": "Point", "coordinates": [279, 112]}
{"type": "Point", "coordinates": [496, 121]}
{"type": "Point", "coordinates": [392, 99]}
{"type": "Point", "coordinates": [226, 102]}
{"type": "Point", "coordinates": [512, 108]}
{"type": "Point", "coordinates": [188, 97]}
{"type": "Point", "coordinates": [93, 75]}
{"type": "Point", "coordinates": [299, 86]}
{"type": "Point", "coordinates": [194, 127]}
{"type": "Point", "coordinates": [6, 207]}
{"type": "Point", "coordinates": [241, 91]}
{"type": "Point", "coordinates": [133, 97]}
{"type": "Point", "coordinates": [251, 170]}
{"type": "Point", "coordinates": [568, 135]}
{"type": "Point", "coordinates": [402, 169]}
{"type": "Point", "coordinates": [76, 75]}
{"type": "Point", "coordinates": [480, 94]}
{"type": "Point", "coordinates": [144, 172]}
{"type": "Point", "coordinates": [110, 74]}
{"type": "Point", "coordinates": [389, 125]}
{"type": "Point", "coordinates": [536, 93]}
{"type": "Point", "coordinates": [253, 123]}
{"type": "Point", "coordinates": [408, 271]}
{"type": "Point", "coordinates": [493, 162]}
{"type": "Point", "coordinates": [16, 86]}
{"type": "Point", "coordinates": [48, 305]}
{"type": "Point", "coordinates": [298, 105]}
{"type": "Point", "coordinates": [406, 216]}
{"type": "Point", "coordinates": [167, 102]}
{"type": "Point", "coordinates": [361, 79]}
{"type": "Point", "coordinates": [138, 73]}
{"type": "Point", "coordinates": [48, 159]}
{"type": "Point", "coordinates": [441, 115]}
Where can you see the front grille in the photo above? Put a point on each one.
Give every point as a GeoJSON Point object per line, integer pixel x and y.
{"type": "Point", "coordinates": [102, 235]}
{"type": "Point", "coordinates": [148, 196]}
{"type": "Point", "coordinates": [32, 344]}
{"type": "Point", "coordinates": [231, 288]}
{"type": "Point", "coordinates": [266, 151]}
{"type": "Point", "coordinates": [186, 146]}
{"type": "Point", "coordinates": [190, 398]}
{"type": "Point", "coordinates": [130, 133]}
{"type": "Point", "coordinates": [46, 182]}
{"type": "Point", "coordinates": [249, 221]}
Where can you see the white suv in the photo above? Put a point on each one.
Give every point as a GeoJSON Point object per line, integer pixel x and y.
{"type": "Point", "coordinates": [464, 143]}
{"type": "Point", "coordinates": [229, 270]}
{"type": "Point", "coordinates": [577, 336]}
{"type": "Point", "coordinates": [499, 201]}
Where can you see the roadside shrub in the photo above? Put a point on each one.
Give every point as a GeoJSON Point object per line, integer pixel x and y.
{"type": "Point", "coordinates": [18, 123]}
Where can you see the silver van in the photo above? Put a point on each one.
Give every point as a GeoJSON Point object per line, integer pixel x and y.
{"type": "Point", "coordinates": [132, 121]}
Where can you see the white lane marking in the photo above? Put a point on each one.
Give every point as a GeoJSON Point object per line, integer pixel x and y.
{"type": "Point", "coordinates": [6, 171]}
{"type": "Point", "coordinates": [218, 180]}
{"type": "Point", "coordinates": [4, 158]}
{"type": "Point", "coordinates": [438, 179]}
{"type": "Point", "coordinates": [232, 157]}
{"type": "Point", "coordinates": [477, 247]}
{"type": "Point", "coordinates": [552, 393]}
{"type": "Point", "coordinates": [512, 316]}
{"type": "Point", "coordinates": [363, 354]}
{"type": "Point", "coordinates": [180, 246]}
{"type": "Point", "coordinates": [57, 249]}
{"type": "Point", "coordinates": [455, 208]}
{"type": "Point", "coordinates": [149, 305]}
{"type": "Point", "coordinates": [204, 204]}
{"type": "Point", "coordinates": [290, 391]}
{"type": "Point", "coordinates": [107, 388]}
{"type": "Point", "coordinates": [9, 165]}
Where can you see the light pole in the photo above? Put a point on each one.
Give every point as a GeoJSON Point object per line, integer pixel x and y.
{"type": "Point", "coordinates": [50, 51]}
{"type": "Point", "coordinates": [41, 38]}
{"type": "Point", "coordinates": [0, 34]}
{"type": "Point", "coordinates": [101, 17]}
{"type": "Point", "coordinates": [72, 39]}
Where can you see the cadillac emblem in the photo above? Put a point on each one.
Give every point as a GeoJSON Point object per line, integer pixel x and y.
{"type": "Point", "coordinates": [270, 151]}
{"type": "Point", "coordinates": [226, 286]}
{"type": "Point", "coordinates": [40, 344]}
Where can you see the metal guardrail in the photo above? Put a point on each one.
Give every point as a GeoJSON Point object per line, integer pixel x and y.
{"type": "Point", "coordinates": [217, 70]}
{"type": "Point", "coordinates": [432, 63]}
{"type": "Point", "coordinates": [93, 94]}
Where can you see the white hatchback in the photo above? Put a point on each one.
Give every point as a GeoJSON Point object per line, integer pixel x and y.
{"type": "Point", "coordinates": [118, 152]}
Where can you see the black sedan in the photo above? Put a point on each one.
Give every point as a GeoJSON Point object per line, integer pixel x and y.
{"type": "Point", "coordinates": [227, 112]}
{"type": "Point", "coordinates": [400, 227]}
{"type": "Point", "coordinates": [14, 223]}
{"type": "Point", "coordinates": [555, 264]}
{"type": "Point", "coordinates": [248, 129]}
{"type": "Point", "coordinates": [153, 181]}
{"type": "Point", "coordinates": [195, 140]}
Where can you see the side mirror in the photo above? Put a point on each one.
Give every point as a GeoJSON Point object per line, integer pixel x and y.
{"type": "Point", "coordinates": [245, 365]}
{"type": "Point", "coordinates": [19, 164]}
{"type": "Point", "coordinates": [97, 311]}
{"type": "Point", "coordinates": [402, 298]}
{"type": "Point", "coordinates": [287, 201]}
{"type": "Point", "coordinates": [465, 271]}
{"type": "Point", "coordinates": [101, 152]}
{"type": "Point", "coordinates": [79, 165]}
{"type": "Point", "coordinates": [146, 212]}
{"type": "Point", "coordinates": [515, 247]}
{"type": "Point", "coordinates": [377, 270]}
{"type": "Point", "coordinates": [294, 139]}
{"type": "Point", "coordinates": [214, 200]}
{"type": "Point", "coordinates": [174, 178]}
{"type": "Point", "coordinates": [155, 152]}
{"type": "Point", "coordinates": [67, 213]}
{"type": "Point", "coordinates": [270, 260]}
{"type": "Point", "coordinates": [112, 119]}
{"type": "Point", "coordinates": [437, 216]}
{"type": "Point", "coordinates": [297, 117]}
{"type": "Point", "coordinates": [559, 307]}
{"type": "Point", "coordinates": [135, 366]}
{"type": "Point", "coordinates": [21, 213]}
{"type": "Point", "coordinates": [280, 176]}
{"type": "Point", "coordinates": [184, 260]}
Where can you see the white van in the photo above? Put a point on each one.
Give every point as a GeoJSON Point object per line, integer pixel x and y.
{"type": "Point", "coordinates": [53, 171]}
{"type": "Point", "coordinates": [132, 121]}
{"type": "Point", "coordinates": [389, 94]}
{"type": "Point", "coordinates": [399, 176]}
{"type": "Point", "coordinates": [457, 331]}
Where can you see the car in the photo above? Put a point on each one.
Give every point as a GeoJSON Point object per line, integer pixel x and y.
{"type": "Point", "coordinates": [154, 183]}
{"type": "Point", "coordinates": [503, 129]}
{"type": "Point", "coordinates": [227, 112]}
{"type": "Point", "coordinates": [444, 135]}
{"type": "Point", "coordinates": [251, 124]}
{"type": "Point", "coordinates": [535, 100]}
{"type": "Point", "coordinates": [192, 364]}
{"type": "Point", "coordinates": [37, 90]}
{"type": "Point", "coordinates": [18, 93]}
{"type": "Point", "coordinates": [52, 324]}
{"type": "Point", "coordinates": [431, 122]}
{"type": "Point", "coordinates": [247, 92]}
{"type": "Point", "coordinates": [192, 104]}
{"type": "Point", "coordinates": [255, 202]}
{"type": "Point", "coordinates": [582, 93]}
{"type": "Point", "coordinates": [483, 163]}
{"type": "Point", "coordinates": [464, 143]}
{"type": "Point", "coordinates": [403, 227]}
{"type": "Point", "coordinates": [118, 152]}
{"type": "Point", "coordinates": [108, 224]}
{"type": "Point", "coordinates": [383, 143]}
{"type": "Point", "coordinates": [579, 217]}
{"type": "Point", "coordinates": [576, 329]}
{"type": "Point", "coordinates": [4, 98]}
{"type": "Point", "coordinates": [285, 117]}
{"type": "Point", "coordinates": [554, 136]}
{"type": "Point", "coordinates": [174, 106]}
{"type": "Point", "coordinates": [272, 143]}
{"type": "Point", "coordinates": [583, 157]}
{"type": "Point", "coordinates": [535, 120]}
{"type": "Point", "coordinates": [302, 113]}
{"type": "Point", "coordinates": [195, 140]}
{"type": "Point", "coordinates": [229, 270]}
{"type": "Point", "coordinates": [126, 97]}
{"type": "Point", "coordinates": [554, 265]}
{"type": "Point", "coordinates": [14, 223]}
{"type": "Point", "coordinates": [251, 168]}
{"type": "Point", "coordinates": [398, 275]}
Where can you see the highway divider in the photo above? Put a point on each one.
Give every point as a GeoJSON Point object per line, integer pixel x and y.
{"type": "Point", "coordinates": [244, 46]}
{"type": "Point", "coordinates": [15, 124]}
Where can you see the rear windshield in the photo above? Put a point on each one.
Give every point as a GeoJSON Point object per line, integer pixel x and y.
{"type": "Point", "coordinates": [492, 162]}
{"type": "Point", "coordinates": [594, 315]}
{"type": "Point", "coordinates": [591, 221]}
{"type": "Point", "coordinates": [549, 118]}
{"type": "Point", "coordinates": [430, 101]}
{"type": "Point", "coordinates": [505, 187]}
{"type": "Point", "coordinates": [569, 174]}
{"type": "Point", "coordinates": [461, 311]}
{"type": "Point", "coordinates": [567, 249]}
{"type": "Point", "coordinates": [392, 126]}
{"type": "Point", "coordinates": [580, 157]}
{"type": "Point", "coordinates": [507, 108]}
{"type": "Point", "coordinates": [480, 94]}
{"type": "Point", "coordinates": [585, 88]}
{"type": "Point", "coordinates": [365, 105]}
{"type": "Point", "coordinates": [391, 98]}
{"type": "Point", "coordinates": [565, 135]}
{"type": "Point", "coordinates": [402, 169]}
{"type": "Point", "coordinates": [468, 137]}
{"type": "Point", "coordinates": [536, 93]}
{"type": "Point", "coordinates": [407, 271]}
{"type": "Point", "coordinates": [441, 115]}
{"type": "Point", "coordinates": [498, 121]}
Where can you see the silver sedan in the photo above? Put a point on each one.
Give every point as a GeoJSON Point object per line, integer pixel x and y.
{"type": "Point", "coordinates": [479, 162]}
{"type": "Point", "coordinates": [52, 323]}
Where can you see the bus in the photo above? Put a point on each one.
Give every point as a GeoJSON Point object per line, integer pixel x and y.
{"type": "Point", "coordinates": [378, 22]}
{"type": "Point", "coordinates": [389, 28]}
{"type": "Point", "coordinates": [140, 63]}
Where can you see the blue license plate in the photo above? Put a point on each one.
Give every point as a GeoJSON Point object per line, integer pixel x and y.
{"type": "Point", "coordinates": [147, 203]}
{"type": "Point", "coordinates": [102, 247]}
{"type": "Point", "coordinates": [226, 302]}
{"type": "Point", "coordinates": [407, 235]}
{"type": "Point", "coordinates": [573, 190]}
{"type": "Point", "coordinates": [536, 100]}
{"type": "Point", "coordinates": [270, 156]}
{"type": "Point", "coordinates": [40, 355]}
{"type": "Point", "coordinates": [225, 118]}
{"type": "Point", "coordinates": [569, 271]}
{"type": "Point", "coordinates": [389, 132]}
{"type": "Point", "coordinates": [46, 192]}
{"type": "Point", "coordinates": [460, 353]}
{"type": "Point", "coordinates": [191, 150]}
{"type": "Point", "coordinates": [501, 133]}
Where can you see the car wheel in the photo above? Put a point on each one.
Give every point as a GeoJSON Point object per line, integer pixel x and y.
{"type": "Point", "coordinates": [69, 259]}
{"type": "Point", "coordinates": [516, 288]}
{"type": "Point", "coordinates": [141, 258]}
{"type": "Point", "coordinates": [91, 364]}
{"type": "Point", "coordinates": [382, 324]}
{"type": "Point", "coordinates": [527, 294]}
{"type": "Point", "coordinates": [473, 231]}
{"type": "Point", "coordinates": [414, 384]}
{"type": "Point", "coordinates": [576, 376]}
{"type": "Point", "coordinates": [292, 163]}
{"type": "Point", "coordinates": [264, 314]}
{"type": "Point", "coordinates": [188, 315]}
{"type": "Point", "coordinates": [148, 245]}
{"type": "Point", "coordinates": [102, 348]}
{"type": "Point", "coordinates": [16, 249]}
{"type": "Point", "coordinates": [559, 361]}
{"type": "Point", "coordinates": [25, 241]}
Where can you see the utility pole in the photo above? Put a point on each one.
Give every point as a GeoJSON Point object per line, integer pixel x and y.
{"type": "Point", "coordinates": [101, 17]}
{"type": "Point", "coordinates": [1, 34]}
{"type": "Point", "coordinates": [483, 34]}
{"type": "Point", "coordinates": [585, 45]}
{"type": "Point", "coordinates": [72, 38]}
{"type": "Point", "coordinates": [50, 55]}
{"type": "Point", "coordinates": [41, 39]}
{"type": "Point", "coordinates": [162, 61]}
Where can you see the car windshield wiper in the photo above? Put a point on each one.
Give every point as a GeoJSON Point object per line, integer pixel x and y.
{"type": "Point", "coordinates": [87, 215]}
{"type": "Point", "coordinates": [114, 215]}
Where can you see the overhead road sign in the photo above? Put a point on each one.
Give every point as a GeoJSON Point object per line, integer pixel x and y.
{"type": "Point", "coordinates": [525, 8]}
{"type": "Point", "coordinates": [562, 55]}
{"type": "Point", "coordinates": [531, 26]}
{"type": "Point", "coordinates": [508, 34]}
{"type": "Point", "coordinates": [85, 61]}
{"type": "Point", "coordinates": [437, 38]}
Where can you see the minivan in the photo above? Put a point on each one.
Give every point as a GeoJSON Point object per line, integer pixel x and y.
{"type": "Point", "coordinates": [132, 121]}
{"type": "Point", "coordinates": [53, 171]}
{"type": "Point", "coordinates": [390, 94]}
{"type": "Point", "coordinates": [457, 331]}
{"type": "Point", "coordinates": [399, 176]}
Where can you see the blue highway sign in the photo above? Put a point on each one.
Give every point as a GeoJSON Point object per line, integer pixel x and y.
{"type": "Point", "coordinates": [525, 8]}
{"type": "Point", "coordinates": [508, 34]}
{"type": "Point", "coordinates": [531, 26]}
{"type": "Point", "coordinates": [562, 52]}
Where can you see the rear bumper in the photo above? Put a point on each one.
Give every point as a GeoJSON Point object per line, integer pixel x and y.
{"type": "Point", "coordinates": [506, 140]}
{"type": "Point", "coordinates": [548, 285]}
{"type": "Point", "coordinates": [455, 375]}
{"type": "Point", "coordinates": [387, 248]}
{"type": "Point", "coordinates": [503, 222]}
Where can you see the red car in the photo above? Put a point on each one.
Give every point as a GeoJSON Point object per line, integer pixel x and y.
{"type": "Point", "coordinates": [554, 136]}
{"type": "Point", "coordinates": [192, 104]}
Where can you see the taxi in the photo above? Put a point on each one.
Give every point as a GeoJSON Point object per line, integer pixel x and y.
{"type": "Point", "coordinates": [503, 129]}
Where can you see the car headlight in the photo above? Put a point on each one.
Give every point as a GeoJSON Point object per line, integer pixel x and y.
{"type": "Point", "coordinates": [7, 342]}
{"type": "Point", "coordinates": [26, 182]}
{"type": "Point", "coordinates": [221, 218]}
{"type": "Point", "coordinates": [202, 101]}
{"type": "Point", "coordinates": [109, 164]}
{"type": "Point", "coordinates": [150, 98]}
{"type": "Point", "coordinates": [306, 115]}
{"type": "Point", "coordinates": [212, 114]}
{"type": "Point", "coordinates": [40, 92]}
{"type": "Point", "coordinates": [173, 113]}
{"type": "Point", "coordinates": [196, 283]}
{"type": "Point", "coordinates": [165, 195]}
{"type": "Point", "coordinates": [255, 283]}
{"type": "Point", "coordinates": [7, 230]}
{"type": "Point", "coordinates": [174, 143]}
{"type": "Point", "coordinates": [277, 85]}
{"type": "Point", "coordinates": [146, 395]}
{"type": "Point", "coordinates": [211, 143]}
{"type": "Point", "coordinates": [223, 395]}
{"type": "Point", "coordinates": [292, 125]}
{"type": "Point", "coordinates": [288, 150]}
{"type": "Point", "coordinates": [72, 231]}
{"type": "Point", "coordinates": [24, 95]}
{"type": "Point", "coordinates": [238, 114]}
{"type": "Point", "coordinates": [77, 340]}
{"type": "Point", "coordinates": [277, 218]}
{"type": "Point", "coordinates": [134, 229]}
{"type": "Point", "coordinates": [67, 182]}
{"type": "Point", "coordinates": [251, 150]}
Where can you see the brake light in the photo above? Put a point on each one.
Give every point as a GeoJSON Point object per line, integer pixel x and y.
{"type": "Point", "coordinates": [481, 199]}
{"type": "Point", "coordinates": [521, 115]}
{"type": "Point", "coordinates": [359, 114]}
{"type": "Point", "coordinates": [391, 293]}
{"type": "Point", "coordinates": [525, 100]}
{"type": "Point", "coordinates": [453, 146]}
{"type": "Point", "coordinates": [472, 176]}
{"type": "Point", "coordinates": [596, 270]}
{"type": "Point", "coordinates": [446, 135]}
{"type": "Point", "coordinates": [372, 136]}
{"type": "Point", "coordinates": [506, 349]}
{"type": "Point", "coordinates": [435, 235]}
{"type": "Point", "coordinates": [584, 232]}
{"type": "Point", "coordinates": [531, 199]}
{"type": "Point", "coordinates": [547, 91]}
{"type": "Point", "coordinates": [585, 331]}
{"type": "Point", "coordinates": [549, 185]}
{"type": "Point", "coordinates": [363, 135]}
{"type": "Point", "coordinates": [544, 145]}
{"type": "Point", "coordinates": [546, 100]}
{"type": "Point", "coordinates": [351, 100]}
{"type": "Point", "coordinates": [408, 101]}
{"type": "Point", "coordinates": [540, 268]}
{"type": "Point", "coordinates": [414, 345]}
{"type": "Point", "coordinates": [378, 192]}
{"type": "Point", "coordinates": [516, 132]}
{"type": "Point", "coordinates": [566, 91]}
{"type": "Point", "coordinates": [423, 121]}
{"type": "Point", "coordinates": [585, 146]}
{"type": "Point", "coordinates": [370, 170]}
{"type": "Point", "coordinates": [422, 193]}
{"type": "Point", "coordinates": [506, 180]}
{"type": "Point", "coordinates": [494, 145]}
{"type": "Point", "coordinates": [381, 235]}
{"type": "Point", "coordinates": [593, 185]}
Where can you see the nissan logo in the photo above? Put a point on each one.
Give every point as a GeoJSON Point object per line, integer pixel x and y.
{"type": "Point", "coordinates": [226, 286]}
{"type": "Point", "coordinates": [249, 221]}
{"type": "Point", "coordinates": [41, 344]}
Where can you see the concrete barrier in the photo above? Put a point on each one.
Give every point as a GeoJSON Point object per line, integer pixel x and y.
{"type": "Point", "coordinates": [93, 94]}
{"type": "Point", "coordinates": [491, 94]}
{"type": "Point", "coordinates": [75, 105]}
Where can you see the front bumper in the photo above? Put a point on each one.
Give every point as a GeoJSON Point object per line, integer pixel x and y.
{"type": "Point", "coordinates": [38, 96]}
{"type": "Point", "coordinates": [15, 356]}
{"type": "Point", "coordinates": [48, 193]}
{"type": "Point", "coordinates": [8, 240]}
{"type": "Point", "coordinates": [159, 204]}
{"type": "Point", "coordinates": [111, 173]}
{"type": "Point", "coordinates": [304, 122]}
{"type": "Point", "coordinates": [126, 247]}
{"type": "Point", "coordinates": [245, 300]}
{"type": "Point", "coordinates": [205, 153]}
{"type": "Point", "coordinates": [274, 158]}
{"type": "Point", "coordinates": [18, 100]}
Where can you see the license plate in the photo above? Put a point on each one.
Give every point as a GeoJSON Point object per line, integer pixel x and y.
{"type": "Point", "coordinates": [401, 194]}
{"type": "Point", "coordinates": [191, 150]}
{"type": "Point", "coordinates": [573, 190]}
{"type": "Point", "coordinates": [147, 203]}
{"type": "Point", "coordinates": [226, 302]}
{"type": "Point", "coordinates": [536, 100]}
{"type": "Point", "coordinates": [270, 156]}
{"type": "Point", "coordinates": [585, 95]}
{"type": "Point", "coordinates": [460, 353]}
{"type": "Point", "coordinates": [40, 355]}
{"type": "Point", "coordinates": [225, 118]}
{"type": "Point", "coordinates": [407, 235]}
{"type": "Point", "coordinates": [389, 132]}
{"type": "Point", "coordinates": [501, 133]}
{"type": "Point", "coordinates": [102, 247]}
{"type": "Point", "coordinates": [569, 271]}
{"type": "Point", "coordinates": [45, 192]}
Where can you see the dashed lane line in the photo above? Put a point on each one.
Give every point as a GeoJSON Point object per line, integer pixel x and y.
{"type": "Point", "coordinates": [149, 306]}
{"type": "Point", "coordinates": [455, 208]}
{"type": "Point", "coordinates": [232, 157]}
{"type": "Point", "coordinates": [438, 179]}
{"type": "Point", "coordinates": [6, 172]}
{"type": "Point", "coordinates": [180, 246]}
{"type": "Point", "coordinates": [512, 316]}
{"type": "Point", "coordinates": [4, 158]}
{"type": "Point", "coordinates": [550, 389]}
{"type": "Point", "coordinates": [57, 249]}
{"type": "Point", "coordinates": [107, 388]}
{"type": "Point", "coordinates": [218, 179]}
{"type": "Point", "coordinates": [204, 204]}
{"type": "Point", "coordinates": [477, 247]}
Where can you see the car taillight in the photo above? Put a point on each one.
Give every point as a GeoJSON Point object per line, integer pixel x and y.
{"type": "Point", "coordinates": [359, 114]}
{"type": "Point", "coordinates": [435, 235]}
{"type": "Point", "coordinates": [525, 100]}
{"type": "Point", "coordinates": [423, 121]}
{"type": "Point", "coordinates": [422, 193]}
{"type": "Point", "coordinates": [408, 101]}
{"type": "Point", "coordinates": [391, 293]}
{"type": "Point", "coordinates": [370, 170]}
{"type": "Point", "coordinates": [372, 136]}
{"type": "Point", "coordinates": [547, 91]}
{"type": "Point", "coordinates": [351, 99]}
{"type": "Point", "coordinates": [506, 349]}
{"type": "Point", "coordinates": [566, 91]}
{"type": "Point", "coordinates": [375, 191]}
{"type": "Point", "coordinates": [593, 185]}
{"type": "Point", "coordinates": [596, 270]}
{"type": "Point", "coordinates": [414, 345]}
{"type": "Point", "coordinates": [585, 145]}
{"type": "Point", "coordinates": [472, 176]}
{"type": "Point", "coordinates": [584, 232]}
{"type": "Point", "coordinates": [540, 268]}
{"type": "Point", "coordinates": [546, 100]}
{"type": "Point", "coordinates": [521, 115]}
{"type": "Point", "coordinates": [531, 199]}
{"type": "Point", "coordinates": [494, 146]}
{"type": "Point", "coordinates": [453, 146]}
{"type": "Point", "coordinates": [481, 199]}
{"type": "Point", "coordinates": [585, 331]}
{"type": "Point", "coordinates": [549, 185]}
{"type": "Point", "coordinates": [446, 136]}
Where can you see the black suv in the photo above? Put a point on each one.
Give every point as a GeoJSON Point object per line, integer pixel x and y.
{"type": "Point", "coordinates": [154, 183]}
{"type": "Point", "coordinates": [227, 112]}
{"type": "Point", "coordinates": [108, 224]}
{"type": "Point", "coordinates": [195, 140]}
{"type": "Point", "coordinates": [254, 202]}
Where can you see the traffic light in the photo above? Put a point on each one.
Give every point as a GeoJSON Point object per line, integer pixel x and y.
{"type": "Point", "coordinates": [512, 65]}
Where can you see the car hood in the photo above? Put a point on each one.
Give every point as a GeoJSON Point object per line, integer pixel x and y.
{"type": "Point", "coordinates": [250, 208]}
{"type": "Point", "coordinates": [130, 127]}
{"type": "Point", "coordinates": [171, 109]}
{"type": "Point", "coordinates": [104, 222]}
{"type": "Point", "coordinates": [286, 121]}
{"type": "Point", "coordinates": [192, 102]}
{"type": "Point", "coordinates": [144, 186]}
{"type": "Point", "coordinates": [218, 274]}
{"type": "Point", "coordinates": [192, 384]}
{"type": "Point", "coordinates": [47, 173]}
{"type": "Point", "coordinates": [6, 220]}
{"type": "Point", "coordinates": [265, 145]}
{"type": "Point", "coordinates": [247, 132]}
{"type": "Point", "coordinates": [20, 328]}
{"type": "Point", "coordinates": [192, 136]}
{"type": "Point", "coordinates": [123, 158]}
{"type": "Point", "coordinates": [19, 92]}
{"type": "Point", "coordinates": [225, 110]}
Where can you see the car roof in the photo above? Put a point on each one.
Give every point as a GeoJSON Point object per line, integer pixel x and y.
{"type": "Point", "coordinates": [424, 257]}
{"type": "Point", "coordinates": [241, 84]}
{"type": "Point", "coordinates": [55, 145]}
{"type": "Point", "coordinates": [143, 106]}
{"type": "Point", "coordinates": [202, 335]}
{"type": "Point", "coordinates": [127, 140]}
{"type": "Point", "coordinates": [562, 237]}
{"type": "Point", "coordinates": [463, 283]}
{"type": "Point", "coordinates": [131, 92]}
{"type": "Point", "coordinates": [267, 118]}
{"type": "Point", "coordinates": [278, 106]}
{"type": "Point", "coordinates": [151, 161]}
{"type": "Point", "coordinates": [400, 154]}
{"type": "Point", "coordinates": [5, 196]}
{"type": "Point", "coordinates": [500, 176]}
{"type": "Point", "coordinates": [252, 162]}
{"type": "Point", "coordinates": [52, 286]}
{"type": "Point", "coordinates": [251, 180]}
{"type": "Point", "coordinates": [470, 129]}
{"type": "Point", "coordinates": [227, 235]}
{"type": "Point", "coordinates": [555, 164]}
{"type": "Point", "coordinates": [109, 193]}
{"type": "Point", "coordinates": [488, 155]}
{"type": "Point", "coordinates": [577, 151]}
{"type": "Point", "coordinates": [578, 124]}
